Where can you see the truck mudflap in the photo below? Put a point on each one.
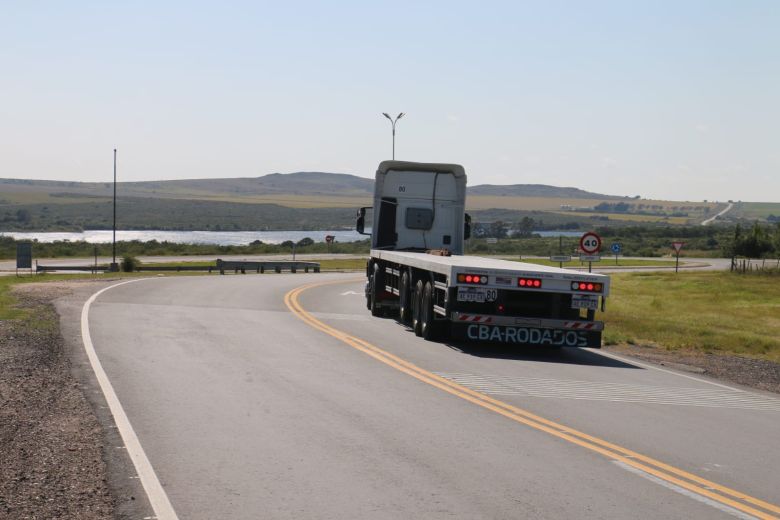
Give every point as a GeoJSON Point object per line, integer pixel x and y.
{"type": "Point", "coordinates": [526, 331]}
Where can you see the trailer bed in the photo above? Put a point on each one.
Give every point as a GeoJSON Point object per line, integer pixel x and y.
{"type": "Point", "coordinates": [451, 265]}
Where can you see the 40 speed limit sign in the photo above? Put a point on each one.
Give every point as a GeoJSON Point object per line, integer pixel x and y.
{"type": "Point", "coordinates": [590, 243]}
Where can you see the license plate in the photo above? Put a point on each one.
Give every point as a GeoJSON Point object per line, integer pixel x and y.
{"type": "Point", "coordinates": [472, 294]}
{"type": "Point", "coordinates": [584, 301]}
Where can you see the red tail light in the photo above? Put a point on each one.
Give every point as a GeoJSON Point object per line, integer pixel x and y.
{"type": "Point", "coordinates": [586, 286]}
{"type": "Point", "coordinates": [480, 279]}
{"type": "Point", "coordinates": [532, 283]}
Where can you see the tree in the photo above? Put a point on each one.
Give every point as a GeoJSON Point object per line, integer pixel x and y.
{"type": "Point", "coordinates": [754, 244]}
{"type": "Point", "coordinates": [525, 227]}
{"type": "Point", "coordinates": [305, 241]}
{"type": "Point", "coordinates": [498, 229]}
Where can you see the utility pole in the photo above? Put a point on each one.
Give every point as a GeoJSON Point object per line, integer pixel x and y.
{"type": "Point", "coordinates": [114, 266]}
{"type": "Point", "coordinates": [393, 122]}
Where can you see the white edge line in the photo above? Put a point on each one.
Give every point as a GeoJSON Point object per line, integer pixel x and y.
{"type": "Point", "coordinates": [690, 494]}
{"type": "Point", "coordinates": [652, 367]}
{"type": "Point", "coordinates": [154, 491]}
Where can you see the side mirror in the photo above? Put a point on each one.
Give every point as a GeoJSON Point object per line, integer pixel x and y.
{"type": "Point", "coordinates": [360, 223]}
{"type": "Point", "coordinates": [467, 227]}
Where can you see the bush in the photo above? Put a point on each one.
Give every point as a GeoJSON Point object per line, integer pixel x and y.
{"type": "Point", "coordinates": [129, 264]}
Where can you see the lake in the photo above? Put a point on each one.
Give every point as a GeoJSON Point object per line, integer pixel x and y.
{"type": "Point", "coordinates": [225, 238]}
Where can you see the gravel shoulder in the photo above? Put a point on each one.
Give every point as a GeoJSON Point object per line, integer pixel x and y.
{"type": "Point", "coordinates": [753, 373]}
{"type": "Point", "coordinates": [58, 447]}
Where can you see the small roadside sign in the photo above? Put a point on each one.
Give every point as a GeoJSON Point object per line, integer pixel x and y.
{"type": "Point", "coordinates": [24, 255]}
{"type": "Point", "coordinates": [492, 240]}
{"type": "Point", "coordinates": [616, 248]}
{"type": "Point", "coordinates": [677, 247]}
{"type": "Point", "coordinates": [590, 243]}
{"type": "Point", "coordinates": [560, 258]}
{"type": "Point", "coordinates": [590, 258]}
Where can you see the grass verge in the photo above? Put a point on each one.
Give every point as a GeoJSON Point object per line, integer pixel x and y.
{"type": "Point", "coordinates": [713, 312]}
{"type": "Point", "coordinates": [605, 262]}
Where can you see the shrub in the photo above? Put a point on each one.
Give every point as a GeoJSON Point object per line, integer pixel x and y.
{"type": "Point", "coordinates": [129, 263]}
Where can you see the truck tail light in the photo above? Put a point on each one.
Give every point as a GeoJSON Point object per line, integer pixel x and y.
{"type": "Point", "coordinates": [532, 283]}
{"type": "Point", "coordinates": [479, 279]}
{"type": "Point", "coordinates": [586, 286]}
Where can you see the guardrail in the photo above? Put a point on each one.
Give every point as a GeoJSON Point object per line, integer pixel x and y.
{"type": "Point", "coordinates": [243, 266]}
{"type": "Point", "coordinates": [88, 268]}
{"type": "Point", "coordinates": [237, 266]}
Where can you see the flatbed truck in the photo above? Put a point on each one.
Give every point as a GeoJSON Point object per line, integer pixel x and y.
{"type": "Point", "coordinates": [417, 271]}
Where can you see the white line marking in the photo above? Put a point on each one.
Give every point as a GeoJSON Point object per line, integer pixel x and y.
{"type": "Point", "coordinates": [652, 367]}
{"type": "Point", "coordinates": [683, 491]}
{"type": "Point", "coordinates": [157, 497]}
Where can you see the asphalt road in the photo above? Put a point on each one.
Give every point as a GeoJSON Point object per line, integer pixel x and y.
{"type": "Point", "coordinates": [246, 409]}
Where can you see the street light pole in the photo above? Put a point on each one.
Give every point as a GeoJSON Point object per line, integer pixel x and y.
{"type": "Point", "coordinates": [393, 122]}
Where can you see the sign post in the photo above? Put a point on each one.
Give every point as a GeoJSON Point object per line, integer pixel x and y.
{"type": "Point", "coordinates": [616, 247]}
{"type": "Point", "coordinates": [590, 244]}
{"type": "Point", "coordinates": [677, 247]}
{"type": "Point", "coordinates": [329, 240]}
{"type": "Point", "coordinates": [23, 256]}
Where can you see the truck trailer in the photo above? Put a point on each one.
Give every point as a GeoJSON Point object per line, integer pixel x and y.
{"type": "Point", "coordinates": [417, 270]}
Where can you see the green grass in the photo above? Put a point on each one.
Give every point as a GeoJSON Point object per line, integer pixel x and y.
{"type": "Point", "coordinates": [716, 312]}
{"type": "Point", "coordinates": [755, 210]}
{"type": "Point", "coordinates": [606, 261]}
{"type": "Point", "coordinates": [343, 264]}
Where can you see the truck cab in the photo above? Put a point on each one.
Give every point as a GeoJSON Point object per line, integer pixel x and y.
{"type": "Point", "coordinates": [419, 206]}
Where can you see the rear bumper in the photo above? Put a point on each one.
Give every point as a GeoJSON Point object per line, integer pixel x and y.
{"type": "Point", "coordinates": [526, 331]}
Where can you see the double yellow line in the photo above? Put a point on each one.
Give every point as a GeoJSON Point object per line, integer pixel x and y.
{"type": "Point", "coordinates": [693, 483]}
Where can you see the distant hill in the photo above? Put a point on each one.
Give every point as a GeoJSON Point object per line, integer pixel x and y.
{"type": "Point", "coordinates": [535, 190]}
{"type": "Point", "coordinates": [298, 183]}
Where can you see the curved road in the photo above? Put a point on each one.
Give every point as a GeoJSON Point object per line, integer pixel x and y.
{"type": "Point", "coordinates": [247, 409]}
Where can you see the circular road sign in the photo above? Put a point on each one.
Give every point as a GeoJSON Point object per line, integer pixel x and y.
{"type": "Point", "coordinates": [590, 243]}
{"type": "Point", "coordinates": [616, 247]}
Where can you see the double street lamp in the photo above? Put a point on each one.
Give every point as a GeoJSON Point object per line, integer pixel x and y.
{"type": "Point", "coordinates": [393, 122]}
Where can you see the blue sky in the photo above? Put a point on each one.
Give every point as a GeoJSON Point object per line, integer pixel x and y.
{"type": "Point", "coordinates": [675, 100]}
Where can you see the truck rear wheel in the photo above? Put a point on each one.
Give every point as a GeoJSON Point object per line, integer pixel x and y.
{"type": "Point", "coordinates": [431, 328]}
{"type": "Point", "coordinates": [417, 307]}
{"type": "Point", "coordinates": [404, 301]}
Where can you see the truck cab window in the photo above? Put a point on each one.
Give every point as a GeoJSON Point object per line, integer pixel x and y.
{"type": "Point", "coordinates": [386, 233]}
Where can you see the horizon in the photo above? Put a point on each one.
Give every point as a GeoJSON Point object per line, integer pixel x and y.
{"type": "Point", "coordinates": [668, 101]}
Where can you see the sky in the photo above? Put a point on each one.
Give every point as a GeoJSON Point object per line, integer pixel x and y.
{"type": "Point", "coordinates": [663, 99]}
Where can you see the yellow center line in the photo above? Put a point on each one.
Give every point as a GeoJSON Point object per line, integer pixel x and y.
{"type": "Point", "coordinates": [612, 451]}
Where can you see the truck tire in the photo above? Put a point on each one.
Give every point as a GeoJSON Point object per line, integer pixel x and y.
{"type": "Point", "coordinates": [431, 328]}
{"type": "Point", "coordinates": [372, 304]}
{"type": "Point", "coordinates": [417, 307]}
{"type": "Point", "coordinates": [404, 301]}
